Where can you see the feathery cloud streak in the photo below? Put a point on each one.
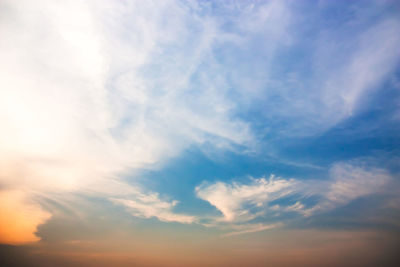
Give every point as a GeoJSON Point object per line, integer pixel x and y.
{"type": "Point", "coordinates": [241, 204]}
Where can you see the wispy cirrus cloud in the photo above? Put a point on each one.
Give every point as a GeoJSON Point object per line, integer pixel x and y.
{"type": "Point", "coordinates": [234, 200]}
{"type": "Point", "coordinates": [242, 205]}
{"type": "Point", "coordinates": [93, 90]}
{"type": "Point", "coordinates": [325, 78]}
{"type": "Point", "coordinates": [349, 182]}
{"type": "Point", "coordinates": [150, 205]}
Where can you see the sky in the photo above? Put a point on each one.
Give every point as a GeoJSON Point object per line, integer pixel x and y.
{"type": "Point", "coordinates": [199, 133]}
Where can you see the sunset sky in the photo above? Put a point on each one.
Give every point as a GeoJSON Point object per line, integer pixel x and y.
{"type": "Point", "coordinates": [199, 133]}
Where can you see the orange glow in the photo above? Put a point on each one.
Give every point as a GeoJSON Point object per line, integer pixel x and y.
{"type": "Point", "coordinates": [19, 218]}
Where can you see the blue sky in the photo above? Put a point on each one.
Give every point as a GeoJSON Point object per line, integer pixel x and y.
{"type": "Point", "coordinates": [217, 119]}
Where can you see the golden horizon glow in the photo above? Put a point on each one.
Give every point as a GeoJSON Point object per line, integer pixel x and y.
{"type": "Point", "coordinates": [19, 218]}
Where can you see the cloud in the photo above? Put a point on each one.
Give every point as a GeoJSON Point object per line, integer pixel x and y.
{"type": "Point", "coordinates": [311, 74]}
{"type": "Point", "coordinates": [234, 200]}
{"type": "Point", "coordinates": [349, 182]}
{"type": "Point", "coordinates": [243, 204]}
{"type": "Point", "coordinates": [92, 100]}
{"type": "Point", "coordinates": [371, 61]}
{"type": "Point", "coordinates": [93, 90]}
{"type": "Point", "coordinates": [150, 205]}
{"type": "Point", "coordinates": [298, 206]}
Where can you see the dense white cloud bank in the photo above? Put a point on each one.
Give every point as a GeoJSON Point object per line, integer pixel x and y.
{"type": "Point", "coordinates": [79, 98]}
{"type": "Point", "coordinates": [91, 90]}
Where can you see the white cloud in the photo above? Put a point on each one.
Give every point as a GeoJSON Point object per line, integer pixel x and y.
{"type": "Point", "coordinates": [371, 57]}
{"type": "Point", "coordinates": [88, 92]}
{"type": "Point", "coordinates": [240, 203]}
{"type": "Point", "coordinates": [234, 200]}
{"type": "Point", "coordinates": [298, 206]}
{"type": "Point", "coordinates": [150, 205]}
{"type": "Point", "coordinates": [94, 89]}
{"type": "Point", "coordinates": [349, 182]}
{"type": "Point", "coordinates": [342, 67]}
